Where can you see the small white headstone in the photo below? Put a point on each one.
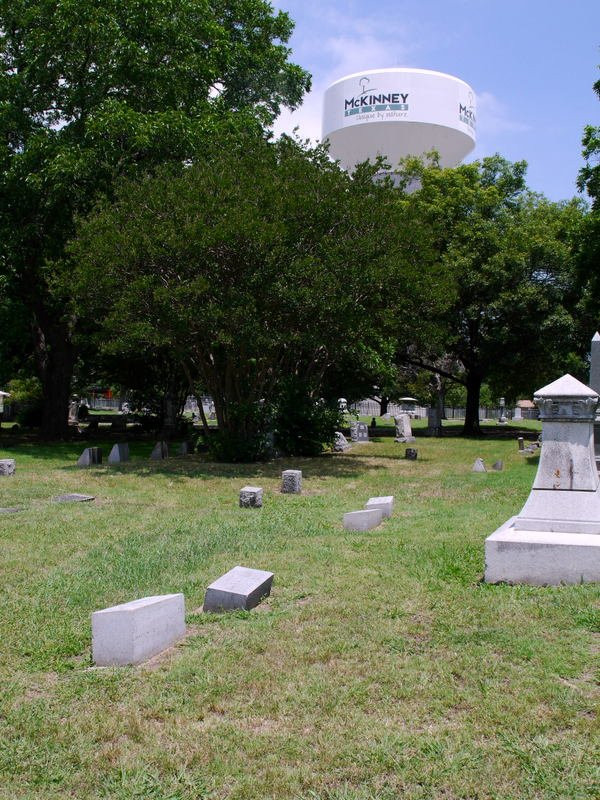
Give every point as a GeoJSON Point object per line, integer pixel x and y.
{"type": "Point", "coordinates": [479, 466]}
{"type": "Point", "coordinates": [517, 413]}
{"type": "Point", "coordinates": [403, 429]}
{"type": "Point", "coordinates": [291, 481]}
{"type": "Point", "coordinates": [8, 466]}
{"type": "Point", "coordinates": [119, 454]}
{"type": "Point", "coordinates": [251, 497]}
{"type": "Point", "coordinates": [134, 632]}
{"type": "Point", "coordinates": [386, 504]}
{"type": "Point", "coordinates": [362, 520]}
{"type": "Point", "coordinates": [240, 588]}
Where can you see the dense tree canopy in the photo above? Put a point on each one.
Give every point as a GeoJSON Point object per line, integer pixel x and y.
{"type": "Point", "coordinates": [92, 89]}
{"type": "Point", "coordinates": [510, 257]}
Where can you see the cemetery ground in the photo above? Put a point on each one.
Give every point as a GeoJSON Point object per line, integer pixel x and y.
{"type": "Point", "coordinates": [380, 667]}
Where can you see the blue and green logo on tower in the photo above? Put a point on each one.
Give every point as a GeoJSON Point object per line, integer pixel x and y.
{"type": "Point", "coordinates": [367, 101]}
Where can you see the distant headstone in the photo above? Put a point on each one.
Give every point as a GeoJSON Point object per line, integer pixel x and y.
{"type": "Point", "coordinates": [502, 418]}
{"type": "Point", "coordinates": [362, 520]}
{"type": "Point", "coordinates": [251, 497]}
{"type": "Point", "coordinates": [434, 423]}
{"type": "Point", "coordinates": [291, 481]}
{"type": "Point", "coordinates": [160, 451]}
{"type": "Point", "coordinates": [185, 448]}
{"type": "Point", "coordinates": [498, 465]}
{"type": "Point", "coordinates": [359, 432]}
{"type": "Point", "coordinates": [133, 632]}
{"type": "Point", "coordinates": [119, 454]}
{"type": "Point", "coordinates": [240, 588]}
{"type": "Point", "coordinates": [403, 429]}
{"type": "Point", "coordinates": [90, 456]}
{"type": "Point", "coordinates": [479, 466]}
{"type": "Point", "coordinates": [8, 466]}
{"type": "Point", "coordinates": [385, 504]}
{"type": "Point", "coordinates": [521, 442]}
{"type": "Point", "coordinates": [517, 414]}
{"type": "Point", "coordinates": [340, 443]}
{"type": "Point", "coordinates": [73, 498]}
{"type": "Point", "coordinates": [9, 510]}
{"type": "Point", "coordinates": [411, 454]}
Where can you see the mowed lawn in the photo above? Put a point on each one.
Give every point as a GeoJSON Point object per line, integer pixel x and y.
{"type": "Point", "coordinates": [380, 667]}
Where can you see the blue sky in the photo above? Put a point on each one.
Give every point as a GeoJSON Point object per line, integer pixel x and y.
{"type": "Point", "coordinates": [531, 63]}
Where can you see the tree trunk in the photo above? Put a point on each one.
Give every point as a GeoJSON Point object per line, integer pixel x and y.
{"type": "Point", "coordinates": [55, 359]}
{"type": "Point", "coordinates": [383, 405]}
{"type": "Point", "coordinates": [473, 383]}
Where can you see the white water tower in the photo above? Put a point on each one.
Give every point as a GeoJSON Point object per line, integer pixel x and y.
{"type": "Point", "coordinates": [399, 112]}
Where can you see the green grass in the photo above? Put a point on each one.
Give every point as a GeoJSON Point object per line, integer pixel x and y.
{"type": "Point", "coordinates": [380, 667]}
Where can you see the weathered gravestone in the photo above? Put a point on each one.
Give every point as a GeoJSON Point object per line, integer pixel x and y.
{"type": "Point", "coordinates": [502, 418]}
{"type": "Point", "coordinates": [89, 457]}
{"type": "Point", "coordinates": [362, 520]}
{"type": "Point", "coordinates": [555, 538]}
{"type": "Point", "coordinates": [517, 414]}
{"type": "Point", "coordinates": [8, 466]}
{"type": "Point", "coordinates": [521, 442]}
{"type": "Point", "coordinates": [410, 454]}
{"type": "Point", "coordinates": [160, 451]}
{"type": "Point", "coordinates": [9, 510]}
{"type": "Point", "coordinates": [403, 429]}
{"type": "Point", "coordinates": [434, 423]}
{"type": "Point", "coordinates": [340, 443]}
{"type": "Point", "coordinates": [385, 504]}
{"type": "Point", "coordinates": [498, 465]}
{"type": "Point", "coordinates": [185, 448]}
{"type": "Point", "coordinates": [251, 497]}
{"type": "Point", "coordinates": [241, 588]}
{"type": "Point", "coordinates": [595, 385]}
{"type": "Point", "coordinates": [359, 432]}
{"type": "Point", "coordinates": [134, 632]}
{"type": "Point", "coordinates": [291, 481]}
{"type": "Point", "coordinates": [73, 498]}
{"type": "Point", "coordinates": [479, 466]}
{"type": "Point", "coordinates": [119, 454]}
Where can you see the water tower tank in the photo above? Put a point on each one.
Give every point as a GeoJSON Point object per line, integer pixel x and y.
{"type": "Point", "coordinates": [399, 112]}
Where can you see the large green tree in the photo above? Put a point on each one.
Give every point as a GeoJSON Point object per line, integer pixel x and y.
{"type": "Point", "coordinates": [93, 89]}
{"type": "Point", "coordinates": [262, 269]}
{"type": "Point", "coordinates": [511, 257]}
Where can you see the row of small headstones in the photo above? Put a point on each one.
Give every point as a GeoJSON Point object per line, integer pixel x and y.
{"type": "Point", "coordinates": [133, 632]}
{"type": "Point", "coordinates": [120, 453]}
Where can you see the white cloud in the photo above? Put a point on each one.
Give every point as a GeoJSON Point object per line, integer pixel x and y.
{"type": "Point", "coordinates": [493, 117]}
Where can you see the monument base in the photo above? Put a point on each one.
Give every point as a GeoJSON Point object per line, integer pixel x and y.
{"type": "Point", "coordinates": [541, 557]}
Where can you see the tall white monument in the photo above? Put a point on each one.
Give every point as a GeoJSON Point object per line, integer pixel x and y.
{"type": "Point", "coordinates": [556, 536]}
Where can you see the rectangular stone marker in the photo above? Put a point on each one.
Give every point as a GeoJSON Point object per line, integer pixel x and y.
{"type": "Point", "coordinates": [240, 588]}
{"type": "Point", "coordinates": [119, 454]}
{"type": "Point", "coordinates": [251, 497]}
{"type": "Point", "coordinates": [90, 456]}
{"type": "Point", "coordinates": [73, 498]}
{"type": "Point", "coordinates": [291, 481]}
{"type": "Point", "coordinates": [521, 442]}
{"type": "Point", "coordinates": [9, 510]}
{"type": "Point", "coordinates": [8, 466]}
{"type": "Point", "coordinates": [386, 504]}
{"type": "Point", "coordinates": [403, 429]}
{"type": "Point", "coordinates": [362, 520]}
{"type": "Point", "coordinates": [434, 423]}
{"type": "Point", "coordinates": [359, 432]}
{"type": "Point", "coordinates": [517, 413]}
{"type": "Point", "coordinates": [160, 451]}
{"type": "Point", "coordinates": [134, 632]}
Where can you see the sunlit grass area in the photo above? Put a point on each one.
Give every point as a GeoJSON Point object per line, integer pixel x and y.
{"type": "Point", "coordinates": [380, 667]}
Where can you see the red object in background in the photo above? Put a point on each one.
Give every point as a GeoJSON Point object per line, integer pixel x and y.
{"type": "Point", "coordinates": [109, 395]}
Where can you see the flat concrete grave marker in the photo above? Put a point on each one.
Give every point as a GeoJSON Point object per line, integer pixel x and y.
{"type": "Point", "coordinates": [9, 510]}
{"type": "Point", "coordinates": [119, 454]}
{"type": "Point", "coordinates": [251, 497]}
{"type": "Point", "coordinates": [134, 632]}
{"type": "Point", "coordinates": [291, 481]}
{"type": "Point", "coordinates": [89, 457]}
{"type": "Point", "coordinates": [241, 588]}
{"type": "Point", "coordinates": [8, 466]}
{"type": "Point", "coordinates": [363, 520]}
{"type": "Point", "coordinates": [386, 504]}
{"type": "Point", "coordinates": [160, 451]}
{"type": "Point", "coordinates": [479, 466]}
{"type": "Point", "coordinates": [411, 454]}
{"type": "Point", "coordinates": [73, 498]}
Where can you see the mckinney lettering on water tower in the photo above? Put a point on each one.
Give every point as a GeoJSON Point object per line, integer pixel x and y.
{"type": "Point", "coordinates": [362, 104]}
